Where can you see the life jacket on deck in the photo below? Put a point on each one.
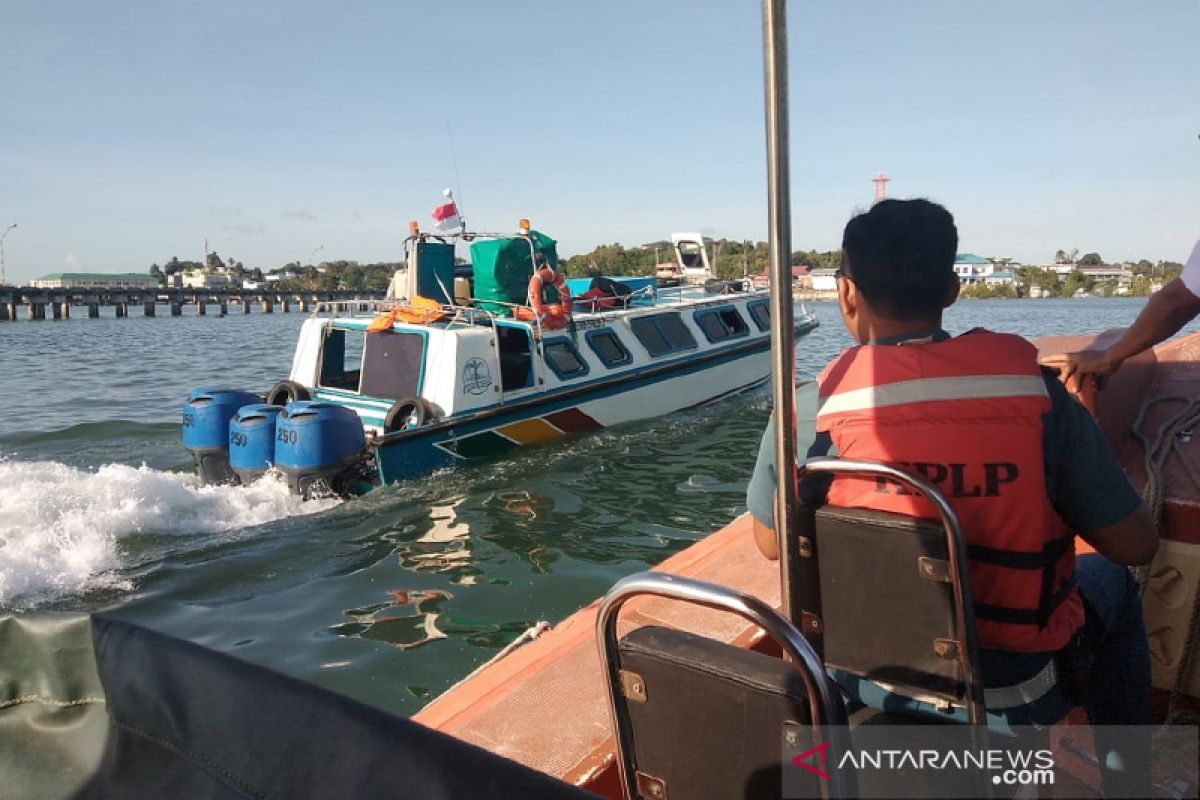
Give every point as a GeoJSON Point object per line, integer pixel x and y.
{"type": "Point", "coordinates": [966, 414]}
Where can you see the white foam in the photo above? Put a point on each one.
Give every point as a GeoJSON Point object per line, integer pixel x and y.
{"type": "Point", "coordinates": [60, 526]}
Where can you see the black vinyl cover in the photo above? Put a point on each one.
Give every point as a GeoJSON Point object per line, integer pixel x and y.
{"type": "Point", "coordinates": [712, 723]}
{"type": "Point", "coordinates": [188, 722]}
{"type": "Point", "coordinates": [881, 616]}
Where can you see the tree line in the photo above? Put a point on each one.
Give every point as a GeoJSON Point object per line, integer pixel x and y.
{"type": "Point", "coordinates": [327, 276]}
{"type": "Point", "coordinates": [730, 258]}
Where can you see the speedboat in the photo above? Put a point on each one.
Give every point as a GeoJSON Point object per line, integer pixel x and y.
{"type": "Point", "coordinates": [469, 363]}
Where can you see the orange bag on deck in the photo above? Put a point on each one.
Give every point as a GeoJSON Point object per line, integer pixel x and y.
{"type": "Point", "coordinates": [420, 310]}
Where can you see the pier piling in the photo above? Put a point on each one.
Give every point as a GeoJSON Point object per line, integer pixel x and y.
{"type": "Point", "coordinates": [93, 311]}
{"type": "Point", "coordinates": [148, 308]}
{"type": "Point", "coordinates": [267, 306]}
{"type": "Point", "coordinates": [245, 306]}
{"type": "Point", "coordinates": [4, 316]}
{"type": "Point", "coordinates": [37, 310]}
{"type": "Point", "coordinates": [122, 310]}
{"type": "Point", "coordinates": [224, 308]}
{"type": "Point", "coordinates": [201, 308]}
{"type": "Point", "coordinates": [176, 309]}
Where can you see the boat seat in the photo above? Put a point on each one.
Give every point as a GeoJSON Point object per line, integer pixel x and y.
{"type": "Point", "coordinates": [896, 647]}
{"type": "Point", "coordinates": [887, 602]}
{"type": "Point", "coordinates": [697, 718]}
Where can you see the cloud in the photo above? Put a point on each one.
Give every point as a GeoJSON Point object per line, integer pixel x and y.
{"type": "Point", "coordinates": [71, 262]}
{"type": "Point", "coordinates": [224, 211]}
{"type": "Point", "coordinates": [303, 213]}
{"type": "Point", "coordinates": [251, 228]}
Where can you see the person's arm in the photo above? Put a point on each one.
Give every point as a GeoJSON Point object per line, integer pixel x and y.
{"type": "Point", "coordinates": [1132, 541]}
{"type": "Point", "coordinates": [1087, 486]}
{"type": "Point", "coordinates": [760, 493]}
{"type": "Point", "coordinates": [1169, 309]}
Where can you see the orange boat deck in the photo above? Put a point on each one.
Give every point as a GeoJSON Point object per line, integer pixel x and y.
{"type": "Point", "coordinates": [544, 705]}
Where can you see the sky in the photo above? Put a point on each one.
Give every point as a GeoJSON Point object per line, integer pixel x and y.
{"type": "Point", "coordinates": [132, 131]}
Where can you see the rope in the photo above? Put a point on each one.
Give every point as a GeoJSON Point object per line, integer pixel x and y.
{"type": "Point", "coordinates": [530, 633]}
{"type": "Point", "coordinates": [1157, 448]}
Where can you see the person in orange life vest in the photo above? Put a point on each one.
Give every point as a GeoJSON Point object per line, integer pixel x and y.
{"type": "Point", "coordinates": [1022, 462]}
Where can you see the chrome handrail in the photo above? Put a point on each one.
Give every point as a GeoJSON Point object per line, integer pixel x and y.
{"type": "Point", "coordinates": [825, 708]}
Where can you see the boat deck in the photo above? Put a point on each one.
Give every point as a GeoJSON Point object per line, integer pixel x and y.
{"type": "Point", "coordinates": [544, 704]}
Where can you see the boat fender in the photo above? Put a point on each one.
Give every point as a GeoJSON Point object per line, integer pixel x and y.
{"type": "Point", "coordinates": [552, 315]}
{"type": "Point", "coordinates": [286, 392]}
{"type": "Point", "coordinates": [404, 413]}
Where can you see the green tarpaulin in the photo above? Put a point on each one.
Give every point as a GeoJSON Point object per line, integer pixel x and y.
{"type": "Point", "coordinates": [503, 268]}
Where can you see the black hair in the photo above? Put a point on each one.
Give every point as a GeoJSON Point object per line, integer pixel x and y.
{"type": "Point", "coordinates": [900, 255]}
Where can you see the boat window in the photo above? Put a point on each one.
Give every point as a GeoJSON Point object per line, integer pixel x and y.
{"type": "Point", "coordinates": [733, 320]}
{"type": "Point", "coordinates": [564, 359]}
{"type": "Point", "coordinates": [516, 364]}
{"type": "Point", "coordinates": [604, 343]}
{"type": "Point", "coordinates": [662, 333]}
{"type": "Point", "coordinates": [711, 325]}
{"type": "Point", "coordinates": [341, 359]}
{"type": "Point", "coordinates": [393, 364]}
{"type": "Point", "coordinates": [691, 255]}
{"type": "Point", "coordinates": [760, 312]}
{"type": "Point", "coordinates": [677, 333]}
{"type": "Point", "coordinates": [650, 336]}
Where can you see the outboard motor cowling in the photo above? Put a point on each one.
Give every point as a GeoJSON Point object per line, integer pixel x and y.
{"type": "Point", "coordinates": [320, 447]}
{"type": "Point", "coordinates": [252, 440]}
{"type": "Point", "coordinates": [206, 416]}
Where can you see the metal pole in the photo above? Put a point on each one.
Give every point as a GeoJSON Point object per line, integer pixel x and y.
{"type": "Point", "coordinates": [2, 237]}
{"type": "Point", "coordinates": [783, 338]}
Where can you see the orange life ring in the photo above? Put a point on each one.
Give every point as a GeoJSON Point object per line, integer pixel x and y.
{"type": "Point", "coordinates": [552, 315]}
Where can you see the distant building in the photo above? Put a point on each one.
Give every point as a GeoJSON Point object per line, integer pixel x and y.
{"type": "Point", "coordinates": [1107, 272]}
{"type": "Point", "coordinates": [1001, 277]}
{"type": "Point", "coordinates": [971, 268]}
{"type": "Point", "coordinates": [95, 280]}
{"type": "Point", "coordinates": [823, 280]}
{"type": "Point", "coordinates": [198, 279]}
{"type": "Point", "coordinates": [252, 285]}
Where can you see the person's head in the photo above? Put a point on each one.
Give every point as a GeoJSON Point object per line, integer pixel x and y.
{"type": "Point", "coordinates": [897, 268]}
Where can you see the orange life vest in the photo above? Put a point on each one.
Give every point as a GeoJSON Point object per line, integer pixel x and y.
{"type": "Point", "coordinates": [965, 413]}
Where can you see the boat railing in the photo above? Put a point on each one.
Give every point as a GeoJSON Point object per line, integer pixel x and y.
{"type": "Point", "coordinates": [477, 312]}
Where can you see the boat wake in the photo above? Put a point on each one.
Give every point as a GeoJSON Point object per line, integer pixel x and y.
{"type": "Point", "coordinates": [61, 528]}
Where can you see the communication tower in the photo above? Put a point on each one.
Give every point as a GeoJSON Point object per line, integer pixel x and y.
{"type": "Point", "coordinates": [881, 181]}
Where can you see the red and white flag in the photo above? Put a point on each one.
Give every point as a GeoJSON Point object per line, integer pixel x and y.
{"type": "Point", "coordinates": [446, 217]}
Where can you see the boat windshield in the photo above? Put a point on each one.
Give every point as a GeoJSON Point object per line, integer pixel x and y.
{"type": "Point", "coordinates": [384, 364]}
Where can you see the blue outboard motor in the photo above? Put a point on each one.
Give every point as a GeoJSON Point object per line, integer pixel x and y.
{"type": "Point", "coordinates": [206, 416]}
{"type": "Point", "coordinates": [252, 440]}
{"type": "Point", "coordinates": [320, 447]}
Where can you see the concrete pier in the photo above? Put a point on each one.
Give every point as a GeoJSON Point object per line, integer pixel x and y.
{"type": "Point", "coordinates": [60, 300]}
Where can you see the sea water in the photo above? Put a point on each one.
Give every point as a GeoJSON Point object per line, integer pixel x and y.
{"type": "Point", "coordinates": [391, 597]}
